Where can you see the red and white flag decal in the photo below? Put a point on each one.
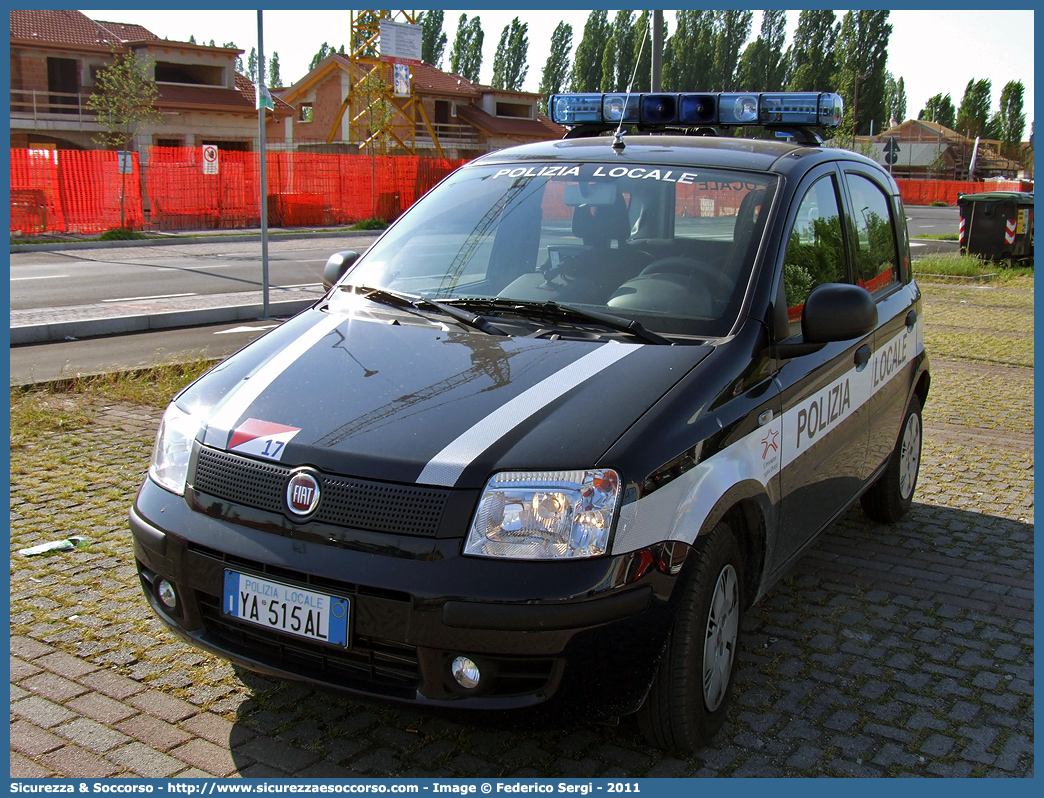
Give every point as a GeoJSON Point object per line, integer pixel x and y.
{"type": "Point", "coordinates": [261, 438]}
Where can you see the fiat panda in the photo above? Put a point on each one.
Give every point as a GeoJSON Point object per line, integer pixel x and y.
{"type": "Point", "coordinates": [543, 444]}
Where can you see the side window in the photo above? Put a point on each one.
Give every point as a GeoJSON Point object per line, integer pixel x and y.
{"type": "Point", "coordinates": [876, 264]}
{"type": "Point", "coordinates": [815, 249]}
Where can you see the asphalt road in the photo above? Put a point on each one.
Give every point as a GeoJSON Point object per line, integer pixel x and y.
{"type": "Point", "coordinates": [113, 275]}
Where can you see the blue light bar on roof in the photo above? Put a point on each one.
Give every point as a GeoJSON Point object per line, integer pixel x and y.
{"type": "Point", "coordinates": [727, 109]}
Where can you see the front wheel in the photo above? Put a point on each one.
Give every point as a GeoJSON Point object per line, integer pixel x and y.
{"type": "Point", "coordinates": [888, 499]}
{"type": "Point", "coordinates": [690, 694]}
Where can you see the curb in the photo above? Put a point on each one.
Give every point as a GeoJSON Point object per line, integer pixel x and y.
{"type": "Point", "coordinates": [144, 322]}
{"type": "Point", "coordinates": [61, 246]}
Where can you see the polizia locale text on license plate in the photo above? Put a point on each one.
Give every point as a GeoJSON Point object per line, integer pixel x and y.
{"type": "Point", "coordinates": [286, 608]}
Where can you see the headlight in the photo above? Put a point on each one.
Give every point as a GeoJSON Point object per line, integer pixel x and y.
{"type": "Point", "coordinates": [170, 457]}
{"type": "Point", "coordinates": [545, 515]}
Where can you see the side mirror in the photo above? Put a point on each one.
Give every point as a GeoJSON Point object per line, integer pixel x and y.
{"type": "Point", "coordinates": [838, 312]}
{"type": "Point", "coordinates": [336, 266]}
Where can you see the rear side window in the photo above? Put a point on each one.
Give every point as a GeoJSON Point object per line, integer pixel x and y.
{"type": "Point", "coordinates": [815, 248]}
{"type": "Point", "coordinates": [876, 263]}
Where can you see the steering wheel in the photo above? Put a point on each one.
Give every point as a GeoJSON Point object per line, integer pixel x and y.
{"type": "Point", "coordinates": [690, 267]}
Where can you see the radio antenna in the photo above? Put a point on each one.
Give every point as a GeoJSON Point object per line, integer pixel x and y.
{"type": "Point", "coordinates": [618, 142]}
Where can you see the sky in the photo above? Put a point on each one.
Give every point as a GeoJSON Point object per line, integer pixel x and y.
{"type": "Point", "coordinates": [935, 51]}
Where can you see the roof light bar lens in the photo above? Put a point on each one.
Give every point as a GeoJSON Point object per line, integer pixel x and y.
{"type": "Point", "coordinates": [698, 109]}
{"type": "Point", "coordinates": [617, 106]}
{"type": "Point", "coordinates": [576, 109]}
{"type": "Point", "coordinates": [659, 109]}
{"type": "Point", "coordinates": [738, 109]}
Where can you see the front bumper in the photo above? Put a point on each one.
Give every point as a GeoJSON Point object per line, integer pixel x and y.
{"type": "Point", "coordinates": [583, 635]}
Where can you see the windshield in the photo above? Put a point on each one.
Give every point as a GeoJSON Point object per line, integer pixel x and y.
{"type": "Point", "coordinates": [669, 247]}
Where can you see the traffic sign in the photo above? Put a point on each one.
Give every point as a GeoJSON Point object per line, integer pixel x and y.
{"type": "Point", "coordinates": [891, 150]}
{"type": "Point", "coordinates": [210, 159]}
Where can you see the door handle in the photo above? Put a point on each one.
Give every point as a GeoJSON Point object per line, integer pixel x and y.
{"type": "Point", "coordinates": [862, 355]}
{"type": "Point", "coordinates": [911, 319]}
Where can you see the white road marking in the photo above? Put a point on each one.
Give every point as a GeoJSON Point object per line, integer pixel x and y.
{"type": "Point", "coordinates": [247, 329]}
{"type": "Point", "coordinates": [42, 277]}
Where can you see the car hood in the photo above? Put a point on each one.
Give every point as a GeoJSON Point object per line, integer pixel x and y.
{"type": "Point", "coordinates": [428, 403]}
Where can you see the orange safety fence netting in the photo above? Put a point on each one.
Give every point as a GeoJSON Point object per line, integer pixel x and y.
{"type": "Point", "coordinates": [76, 191]}
{"type": "Point", "coordinates": [925, 192]}
{"type": "Point", "coordinates": [72, 191]}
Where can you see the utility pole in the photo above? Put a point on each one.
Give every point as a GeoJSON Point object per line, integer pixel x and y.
{"type": "Point", "coordinates": [262, 171]}
{"type": "Point", "coordinates": [657, 51]}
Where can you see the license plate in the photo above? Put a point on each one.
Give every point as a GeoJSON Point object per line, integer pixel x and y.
{"type": "Point", "coordinates": [286, 608]}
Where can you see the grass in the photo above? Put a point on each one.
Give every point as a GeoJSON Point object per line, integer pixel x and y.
{"type": "Point", "coordinates": [969, 266]}
{"type": "Point", "coordinates": [121, 234]}
{"type": "Point", "coordinates": [939, 237]}
{"type": "Point", "coordinates": [58, 406]}
{"type": "Point", "coordinates": [369, 224]}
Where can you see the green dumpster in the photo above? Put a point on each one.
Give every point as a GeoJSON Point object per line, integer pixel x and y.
{"type": "Point", "coordinates": [997, 225]}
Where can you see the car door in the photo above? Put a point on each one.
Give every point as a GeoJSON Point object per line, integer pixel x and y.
{"type": "Point", "coordinates": [825, 425]}
{"type": "Point", "coordinates": [877, 240]}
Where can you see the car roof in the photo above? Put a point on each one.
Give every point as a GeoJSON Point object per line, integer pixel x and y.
{"type": "Point", "coordinates": [760, 155]}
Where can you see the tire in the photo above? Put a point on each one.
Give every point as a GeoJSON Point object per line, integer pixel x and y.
{"type": "Point", "coordinates": [690, 693]}
{"type": "Point", "coordinates": [891, 495]}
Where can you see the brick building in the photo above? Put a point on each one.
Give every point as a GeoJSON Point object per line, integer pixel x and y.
{"type": "Point", "coordinates": [450, 116]}
{"type": "Point", "coordinates": [55, 59]}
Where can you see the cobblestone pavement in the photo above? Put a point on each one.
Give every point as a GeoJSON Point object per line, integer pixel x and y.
{"type": "Point", "coordinates": [887, 651]}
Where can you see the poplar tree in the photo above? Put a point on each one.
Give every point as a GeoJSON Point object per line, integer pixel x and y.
{"type": "Point", "coordinates": [974, 111]}
{"type": "Point", "coordinates": [1012, 119]}
{"type": "Point", "coordinates": [939, 109]}
{"type": "Point", "coordinates": [123, 101]}
{"type": "Point", "coordinates": [556, 68]}
{"type": "Point", "coordinates": [764, 65]}
{"type": "Point", "coordinates": [587, 65]}
{"type": "Point", "coordinates": [274, 78]}
{"type": "Point", "coordinates": [642, 49]}
{"type": "Point", "coordinates": [624, 34]}
{"type": "Point", "coordinates": [433, 40]}
{"type": "Point", "coordinates": [466, 55]}
{"type": "Point", "coordinates": [862, 53]}
{"type": "Point", "coordinates": [813, 57]}
{"type": "Point", "coordinates": [510, 62]}
{"type": "Point", "coordinates": [252, 65]}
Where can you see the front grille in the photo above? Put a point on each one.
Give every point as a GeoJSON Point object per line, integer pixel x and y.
{"type": "Point", "coordinates": [346, 501]}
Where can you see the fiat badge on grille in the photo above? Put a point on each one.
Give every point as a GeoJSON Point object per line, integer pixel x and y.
{"type": "Point", "coordinates": [302, 494]}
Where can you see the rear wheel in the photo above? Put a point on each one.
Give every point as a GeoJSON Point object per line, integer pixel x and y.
{"type": "Point", "coordinates": [890, 497]}
{"type": "Point", "coordinates": [690, 694]}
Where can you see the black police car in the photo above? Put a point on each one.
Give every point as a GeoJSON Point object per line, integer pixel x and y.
{"type": "Point", "coordinates": [543, 444]}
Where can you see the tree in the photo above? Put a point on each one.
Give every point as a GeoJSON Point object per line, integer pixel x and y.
{"type": "Point", "coordinates": [1012, 119]}
{"type": "Point", "coordinates": [324, 52]}
{"type": "Point", "coordinates": [731, 31]}
{"type": "Point", "coordinates": [510, 62]}
{"type": "Point", "coordinates": [373, 91]}
{"type": "Point", "coordinates": [688, 56]}
{"type": "Point", "coordinates": [608, 79]}
{"type": "Point", "coordinates": [274, 78]}
{"type": "Point", "coordinates": [895, 100]}
{"type": "Point", "coordinates": [642, 50]}
{"type": "Point", "coordinates": [974, 110]}
{"type": "Point", "coordinates": [624, 33]}
{"type": "Point", "coordinates": [939, 109]}
{"type": "Point", "coordinates": [862, 51]}
{"type": "Point", "coordinates": [764, 64]}
{"type": "Point", "coordinates": [433, 40]}
{"type": "Point", "coordinates": [466, 55]}
{"type": "Point", "coordinates": [252, 65]}
{"type": "Point", "coordinates": [813, 61]}
{"type": "Point", "coordinates": [123, 102]}
{"type": "Point", "coordinates": [556, 68]}
{"type": "Point", "coordinates": [587, 65]}
{"type": "Point", "coordinates": [192, 39]}
{"type": "Point", "coordinates": [239, 61]}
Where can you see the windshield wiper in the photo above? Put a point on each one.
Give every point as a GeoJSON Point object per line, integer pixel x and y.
{"type": "Point", "coordinates": [553, 309]}
{"type": "Point", "coordinates": [396, 299]}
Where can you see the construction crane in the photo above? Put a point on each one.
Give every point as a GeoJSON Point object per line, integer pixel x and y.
{"type": "Point", "coordinates": [376, 116]}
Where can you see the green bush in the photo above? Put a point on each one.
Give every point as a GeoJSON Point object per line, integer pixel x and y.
{"type": "Point", "coordinates": [120, 234]}
{"type": "Point", "coordinates": [939, 204]}
{"type": "Point", "coordinates": [369, 224]}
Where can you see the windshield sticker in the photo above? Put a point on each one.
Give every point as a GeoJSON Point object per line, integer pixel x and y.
{"type": "Point", "coordinates": [261, 439]}
{"type": "Point", "coordinates": [543, 171]}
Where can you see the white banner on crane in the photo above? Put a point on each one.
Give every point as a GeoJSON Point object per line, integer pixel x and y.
{"type": "Point", "coordinates": [400, 42]}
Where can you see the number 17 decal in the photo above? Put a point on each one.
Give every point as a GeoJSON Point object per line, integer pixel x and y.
{"type": "Point", "coordinates": [261, 438]}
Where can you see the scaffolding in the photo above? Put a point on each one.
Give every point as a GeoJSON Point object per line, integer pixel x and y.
{"type": "Point", "coordinates": [378, 120]}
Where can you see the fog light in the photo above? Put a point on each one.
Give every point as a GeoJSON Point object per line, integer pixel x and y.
{"type": "Point", "coordinates": [167, 596]}
{"type": "Point", "coordinates": [465, 672]}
